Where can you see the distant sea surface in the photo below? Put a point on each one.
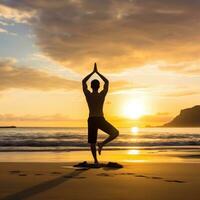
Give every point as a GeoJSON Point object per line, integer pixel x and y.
{"type": "Point", "coordinates": [59, 139]}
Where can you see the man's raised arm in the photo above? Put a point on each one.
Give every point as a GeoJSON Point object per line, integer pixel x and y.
{"type": "Point", "coordinates": [84, 82]}
{"type": "Point", "coordinates": [106, 82]}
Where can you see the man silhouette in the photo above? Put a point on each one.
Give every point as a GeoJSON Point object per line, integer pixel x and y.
{"type": "Point", "coordinates": [96, 120]}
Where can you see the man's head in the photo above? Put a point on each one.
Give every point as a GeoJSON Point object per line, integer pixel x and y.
{"type": "Point", "coordinates": [95, 84]}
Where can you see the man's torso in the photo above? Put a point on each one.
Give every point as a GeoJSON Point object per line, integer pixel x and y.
{"type": "Point", "coordinates": [95, 103]}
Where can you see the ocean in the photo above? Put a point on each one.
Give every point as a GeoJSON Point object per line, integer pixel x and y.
{"type": "Point", "coordinates": [72, 139]}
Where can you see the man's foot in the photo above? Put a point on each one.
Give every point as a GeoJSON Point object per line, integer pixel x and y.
{"type": "Point", "coordinates": [99, 148]}
{"type": "Point", "coordinates": [96, 164]}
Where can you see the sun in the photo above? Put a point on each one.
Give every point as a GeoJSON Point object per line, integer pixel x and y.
{"type": "Point", "coordinates": [134, 109]}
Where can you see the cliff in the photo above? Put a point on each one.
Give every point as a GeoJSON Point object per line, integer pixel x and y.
{"type": "Point", "coordinates": [189, 117]}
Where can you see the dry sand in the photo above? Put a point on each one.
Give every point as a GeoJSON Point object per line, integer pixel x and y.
{"type": "Point", "coordinates": [139, 181]}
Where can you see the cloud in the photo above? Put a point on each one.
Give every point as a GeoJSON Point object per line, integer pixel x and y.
{"type": "Point", "coordinates": [181, 93]}
{"type": "Point", "coordinates": [3, 23]}
{"type": "Point", "coordinates": [14, 76]}
{"type": "Point", "coordinates": [125, 85]}
{"type": "Point", "coordinates": [7, 32]}
{"type": "Point", "coordinates": [46, 118]}
{"type": "Point", "coordinates": [117, 34]}
{"type": "Point", "coordinates": [3, 30]}
{"type": "Point", "coordinates": [16, 15]}
{"type": "Point", "coordinates": [188, 68]}
{"type": "Point", "coordinates": [156, 119]}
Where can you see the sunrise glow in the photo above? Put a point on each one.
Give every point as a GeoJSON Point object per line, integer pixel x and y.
{"type": "Point", "coordinates": [44, 57]}
{"type": "Point", "coordinates": [134, 109]}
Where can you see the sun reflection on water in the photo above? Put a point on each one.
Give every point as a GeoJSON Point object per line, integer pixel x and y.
{"type": "Point", "coordinates": [134, 152]}
{"type": "Point", "coordinates": [135, 130]}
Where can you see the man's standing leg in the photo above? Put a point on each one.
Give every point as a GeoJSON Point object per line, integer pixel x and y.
{"type": "Point", "coordinates": [92, 137]}
{"type": "Point", "coordinates": [93, 150]}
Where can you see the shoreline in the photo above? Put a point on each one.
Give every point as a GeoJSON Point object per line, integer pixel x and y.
{"type": "Point", "coordinates": [86, 148]}
{"type": "Point", "coordinates": [126, 156]}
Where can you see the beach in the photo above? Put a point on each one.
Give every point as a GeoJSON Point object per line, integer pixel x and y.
{"type": "Point", "coordinates": [148, 176]}
{"type": "Point", "coordinates": [158, 164]}
{"type": "Point", "coordinates": [134, 181]}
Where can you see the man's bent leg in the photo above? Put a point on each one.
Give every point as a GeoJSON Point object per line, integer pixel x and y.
{"type": "Point", "coordinates": [93, 150]}
{"type": "Point", "coordinates": [111, 131]}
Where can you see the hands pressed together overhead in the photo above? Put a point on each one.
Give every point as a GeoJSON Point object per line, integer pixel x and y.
{"type": "Point", "coordinates": [95, 70]}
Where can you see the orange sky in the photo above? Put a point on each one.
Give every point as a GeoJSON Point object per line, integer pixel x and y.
{"type": "Point", "coordinates": [149, 50]}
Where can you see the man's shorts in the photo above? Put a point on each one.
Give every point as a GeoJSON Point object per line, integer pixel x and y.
{"type": "Point", "coordinates": [95, 123]}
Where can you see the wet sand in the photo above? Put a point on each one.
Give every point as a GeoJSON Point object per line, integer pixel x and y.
{"type": "Point", "coordinates": [134, 181]}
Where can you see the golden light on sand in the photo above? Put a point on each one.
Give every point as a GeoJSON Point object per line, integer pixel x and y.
{"type": "Point", "coordinates": [134, 152]}
{"type": "Point", "coordinates": [134, 130]}
{"type": "Point", "coordinates": [134, 109]}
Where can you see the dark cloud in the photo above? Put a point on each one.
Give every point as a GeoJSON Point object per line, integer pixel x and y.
{"type": "Point", "coordinates": [118, 34]}
{"type": "Point", "coordinates": [14, 76]}
{"type": "Point", "coordinates": [14, 14]}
